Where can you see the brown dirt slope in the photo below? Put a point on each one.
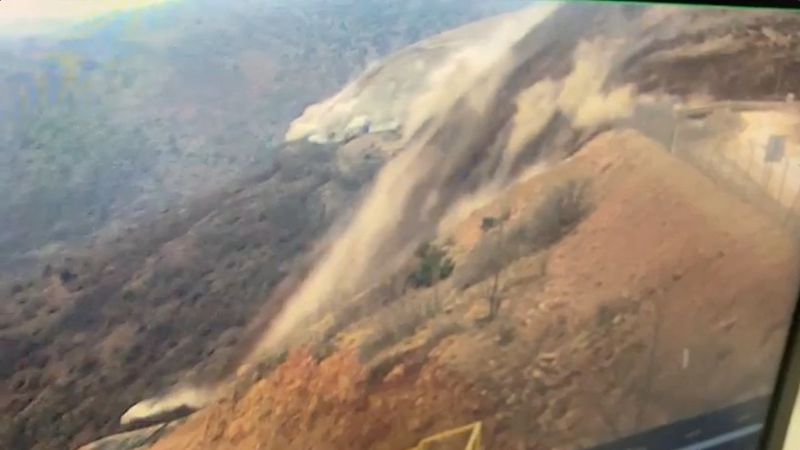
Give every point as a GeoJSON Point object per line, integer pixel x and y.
{"type": "Point", "coordinates": [671, 297]}
{"type": "Point", "coordinates": [328, 405]}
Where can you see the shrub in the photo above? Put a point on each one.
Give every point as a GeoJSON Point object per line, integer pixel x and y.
{"type": "Point", "coordinates": [434, 266]}
{"type": "Point", "coordinates": [488, 223]}
{"type": "Point", "coordinates": [559, 213]}
{"type": "Point", "coordinates": [128, 295]}
{"type": "Point", "coordinates": [397, 322]}
{"type": "Point", "coordinates": [506, 334]}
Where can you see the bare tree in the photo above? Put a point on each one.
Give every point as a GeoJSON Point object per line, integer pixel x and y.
{"type": "Point", "coordinates": [497, 263]}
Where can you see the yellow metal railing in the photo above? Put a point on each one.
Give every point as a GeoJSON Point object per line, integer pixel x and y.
{"type": "Point", "coordinates": [475, 431]}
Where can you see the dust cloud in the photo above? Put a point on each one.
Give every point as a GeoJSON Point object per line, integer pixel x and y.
{"type": "Point", "coordinates": [411, 192]}
{"type": "Point", "coordinates": [581, 97]}
{"type": "Point", "coordinates": [536, 106]}
{"type": "Point", "coordinates": [446, 132]}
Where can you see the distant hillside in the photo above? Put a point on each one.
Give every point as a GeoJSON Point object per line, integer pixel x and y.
{"type": "Point", "coordinates": [171, 300]}
{"type": "Point", "coordinates": [137, 111]}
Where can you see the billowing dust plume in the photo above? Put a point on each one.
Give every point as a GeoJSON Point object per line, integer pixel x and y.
{"type": "Point", "coordinates": [413, 190]}
{"type": "Point", "coordinates": [455, 154]}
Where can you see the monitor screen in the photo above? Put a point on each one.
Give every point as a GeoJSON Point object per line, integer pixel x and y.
{"type": "Point", "coordinates": [316, 224]}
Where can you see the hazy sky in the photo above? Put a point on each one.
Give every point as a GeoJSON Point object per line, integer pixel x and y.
{"type": "Point", "coordinates": [16, 13]}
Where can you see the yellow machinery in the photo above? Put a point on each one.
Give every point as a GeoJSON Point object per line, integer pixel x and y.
{"type": "Point", "coordinates": [474, 431]}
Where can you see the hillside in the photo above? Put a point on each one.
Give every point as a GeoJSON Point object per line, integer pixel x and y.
{"type": "Point", "coordinates": [587, 343]}
{"type": "Point", "coordinates": [496, 223]}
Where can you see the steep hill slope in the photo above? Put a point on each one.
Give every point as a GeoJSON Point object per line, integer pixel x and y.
{"type": "Point", "coordinates": [588, 342]}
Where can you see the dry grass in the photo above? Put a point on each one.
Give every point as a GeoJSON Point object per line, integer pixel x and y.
{"type": "Point", "coordinates": [397, 322]}
{"type": "Point", "coordinates": [563, 208]}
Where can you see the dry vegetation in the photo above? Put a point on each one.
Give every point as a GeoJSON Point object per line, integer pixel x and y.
{"type": "Point", "coordinates": [165, 302]}
{"type": "Point", "coordinates": [562, 209]}
{"type": "Point", "coordinates": [581, 348]}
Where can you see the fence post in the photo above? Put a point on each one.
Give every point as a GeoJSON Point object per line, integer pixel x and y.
{"type": "Point", "coordinates": [765, 175]}
{"type": "Point", "coordinates": [674, 133]}
{"type": "Point", "coordinates": [752, 157]}
{"type": "Point", "coordinates": [791, 210]}
{"type": "Point", "coordinates": [783, 180]}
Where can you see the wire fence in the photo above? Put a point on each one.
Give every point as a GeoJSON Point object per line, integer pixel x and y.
{"type": "Point", "coordinates": [759, 171]}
